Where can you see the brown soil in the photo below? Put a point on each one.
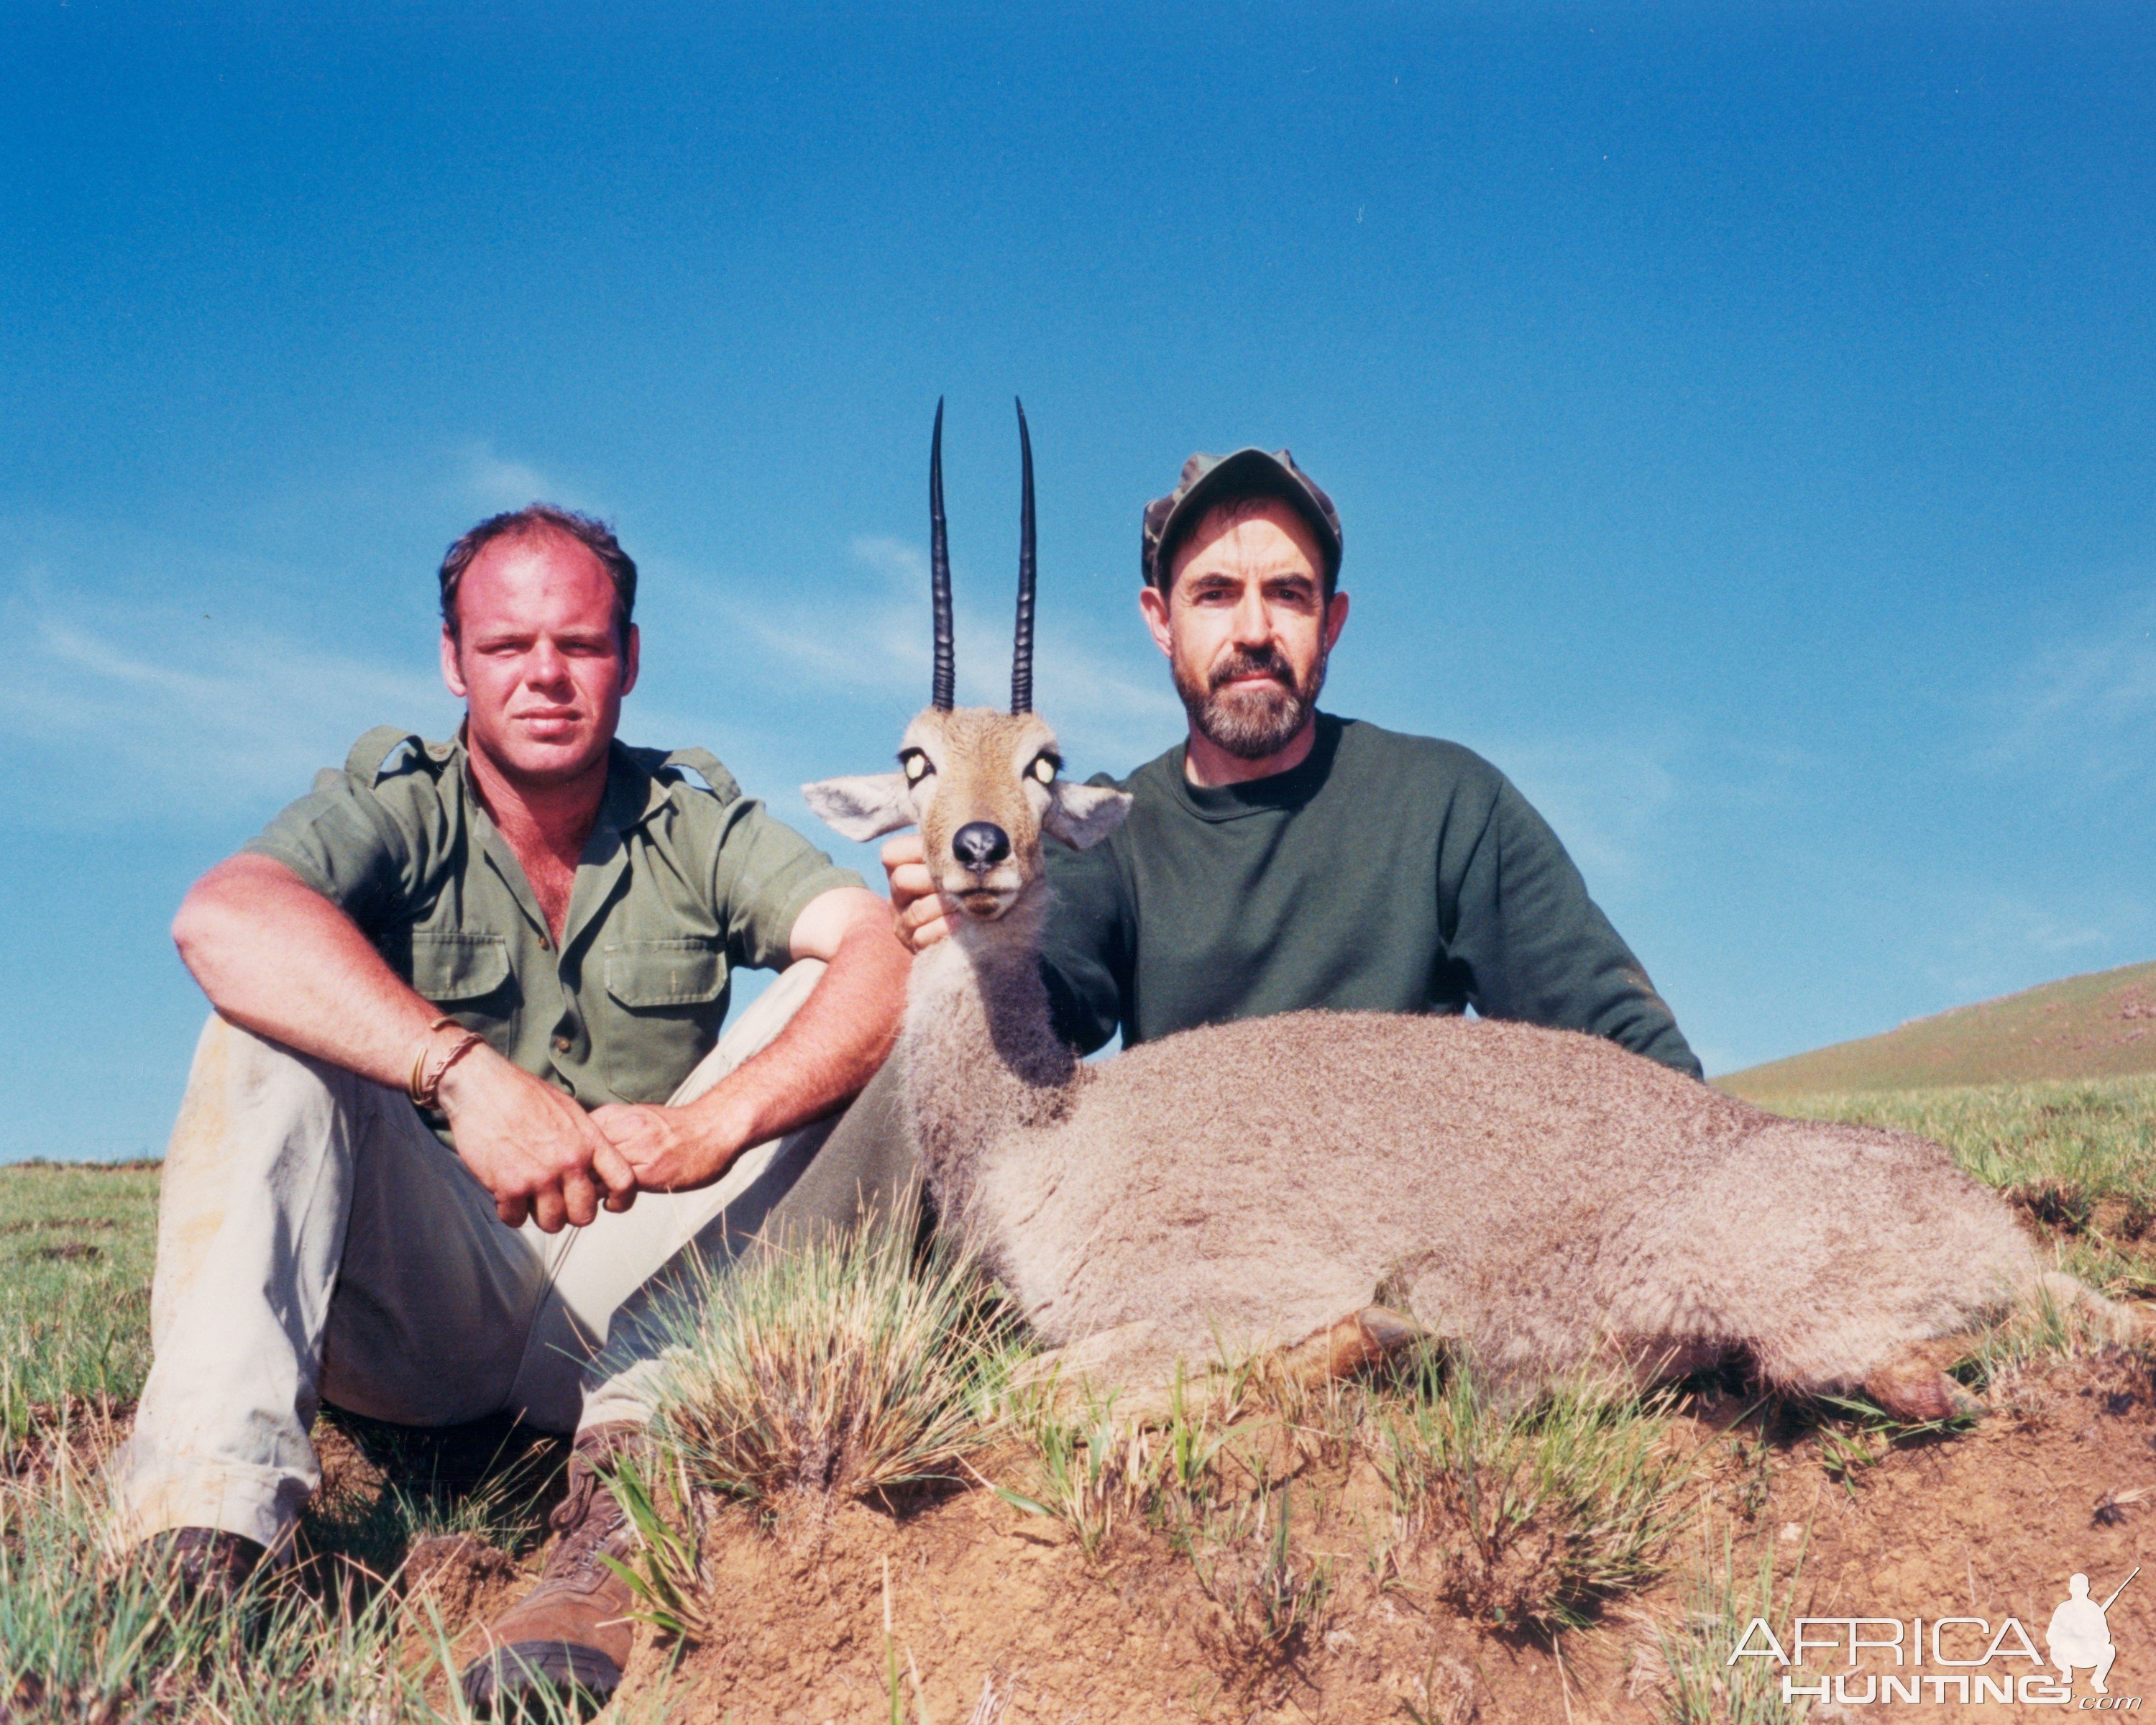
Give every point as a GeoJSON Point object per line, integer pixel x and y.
{"type": "Point", "coordinates": [461, 1579]}
{"type": "Point", "coordinates": [78, 1433]}
{"type": "Point", "coordinates": [1006, 1622]}
{"type": "Point", "coordinates": [1004, 1619]}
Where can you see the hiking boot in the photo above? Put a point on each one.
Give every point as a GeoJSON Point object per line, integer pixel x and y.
{"type": "Point", "coordinates": [206, 1559]}
{"type": "Point", "coordinates": [567, 1642]}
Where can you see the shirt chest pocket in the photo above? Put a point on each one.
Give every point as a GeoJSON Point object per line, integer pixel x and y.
{"type": "Point", "coordinates": [668, 997]}
{"type": "Point", "coordinates": [449, 965]}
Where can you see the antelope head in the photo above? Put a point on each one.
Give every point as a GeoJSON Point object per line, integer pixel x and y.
{"type": "Point", "coordinates": [985, 787]}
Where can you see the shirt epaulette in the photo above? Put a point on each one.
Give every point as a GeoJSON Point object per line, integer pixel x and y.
{"type": "Point", "coordinates": [708, 767]}
{"type": "Point", "coordinates": [372, 754]}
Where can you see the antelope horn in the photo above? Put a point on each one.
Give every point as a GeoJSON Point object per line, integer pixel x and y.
{"type": "Point", "coordinates": [939, 572]}
{"type": "Point", "coordinates": [1022, 647]}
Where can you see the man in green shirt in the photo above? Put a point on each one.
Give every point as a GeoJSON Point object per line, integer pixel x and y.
{"type": "Point", "coordinates": [468, 1001]}
{"type": "Point", "coordinates": [1280, 858]}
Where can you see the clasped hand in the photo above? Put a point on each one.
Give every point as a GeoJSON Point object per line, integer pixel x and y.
{"type": "Point", "coordinates": [542, 1156]}
{"type": "Point", "coordinates": [669, 1149]}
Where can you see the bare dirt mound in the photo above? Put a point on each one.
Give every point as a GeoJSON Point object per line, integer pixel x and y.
{"type": "Point", "coordinates": [1989, 1525]}
{"type": "Point", "coordinates": [2100, 1025]}
{"type": "Point", "coordinates": [997, 1615]}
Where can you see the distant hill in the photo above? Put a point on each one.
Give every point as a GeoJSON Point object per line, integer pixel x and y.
{"type": "Point", "coordinates": [2101, 1025]}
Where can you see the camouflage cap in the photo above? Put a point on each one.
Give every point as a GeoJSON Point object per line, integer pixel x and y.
{"type": "Point", "coordinates": [1208, 480]}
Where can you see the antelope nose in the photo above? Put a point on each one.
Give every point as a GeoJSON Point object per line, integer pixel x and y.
{"type": "Point", "coordinates": [980, 844]}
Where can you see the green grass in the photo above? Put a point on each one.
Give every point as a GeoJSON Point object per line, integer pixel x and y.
{"type": "Point", "coordinates": [77, 1244]}
{"type": "Point", "coordinates": [1702, 1685]}
{"type": "Point", "coordinates": [2092, 1139]}
{"type": "Point", "coordinates": [2078, 1155]}
{"type": "Point", "coordinates": [86, 1635]}
{"type": "Point", "coordinates": [840, 1368]}
{"type": "Point", "coordinates": [1536, 1515]}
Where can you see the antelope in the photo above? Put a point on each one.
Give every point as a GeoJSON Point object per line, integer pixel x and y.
{"type": "Point", "coordinates": [1341, 1184]}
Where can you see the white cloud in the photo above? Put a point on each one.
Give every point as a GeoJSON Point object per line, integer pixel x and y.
{"type": "Point", "coordinates": [495, 482]}
{"type": "Point", "coordinates": [2086, 705]}
{"type": "Point", "coordinates": [1977, 944]}
{"type": "Point", "coordinates": [1106, 710]}
{"type": "Point", "coordinates": [1606, 798]}
{"type": "Point", "coordinates": [169, 718]}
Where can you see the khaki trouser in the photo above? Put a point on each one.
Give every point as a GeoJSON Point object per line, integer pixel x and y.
{"type": "Point", "coordinates": [316, 1242]}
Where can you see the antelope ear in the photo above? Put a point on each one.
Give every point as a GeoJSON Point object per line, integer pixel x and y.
{"type": "Point", "coordinates": [1082, 815]}
{"type": "Point", "coordinates": [864, 807]}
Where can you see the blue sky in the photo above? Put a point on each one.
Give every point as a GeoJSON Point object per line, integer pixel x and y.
{"type": "Point", "coordinates": [1744, 419]}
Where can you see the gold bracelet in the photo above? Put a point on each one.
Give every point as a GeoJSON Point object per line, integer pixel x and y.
{"type": "Point", "coordinates": [414, 1087]}
{"type": "Point", "coordinates": [425, 1087]}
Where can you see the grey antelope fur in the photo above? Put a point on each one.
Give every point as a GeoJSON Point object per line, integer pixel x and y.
{"type": "Point", "coordinates": [1341, 1184]}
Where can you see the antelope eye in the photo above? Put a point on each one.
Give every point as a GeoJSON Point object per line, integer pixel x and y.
{"type": "Point", "coordinates": [1045, 767]}
{"type": "Point", "coordinates": [915, 765]}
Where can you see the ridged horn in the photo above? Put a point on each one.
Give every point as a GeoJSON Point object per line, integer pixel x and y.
{"type": "Point", "coordinates": [1022, 644]}
{"type": "Point", "coordinates": [939, 573]}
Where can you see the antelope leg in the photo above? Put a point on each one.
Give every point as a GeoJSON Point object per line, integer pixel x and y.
{"type": "Point", "coordinates": [1911, 1386]}
{"type": "Point", "coordinates": [1361, 1339]}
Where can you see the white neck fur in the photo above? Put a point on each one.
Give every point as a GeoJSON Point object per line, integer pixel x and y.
{"type": "Point", "coordinates": [981, 1058]}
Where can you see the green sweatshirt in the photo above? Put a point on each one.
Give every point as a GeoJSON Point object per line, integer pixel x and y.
{"type": "Point", "coordinates": [1385, 874]}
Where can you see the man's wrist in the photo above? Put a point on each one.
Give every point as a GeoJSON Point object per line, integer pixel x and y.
{"type": "Point", "coordinates": [469, 1069]}
{"type": "Point", "coordinates": [436, 1053]}
{"type": "Point", "coordinates": [718, 1128]}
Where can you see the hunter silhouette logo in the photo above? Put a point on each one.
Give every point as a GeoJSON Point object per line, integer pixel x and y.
{"type": "Point", "coordinates": [2079, 1636]}
{"type": "Point", "coordinates": [1869, 1661]}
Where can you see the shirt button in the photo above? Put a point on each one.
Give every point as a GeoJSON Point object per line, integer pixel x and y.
{"type": "Point", "coordinates": [561, 1044]}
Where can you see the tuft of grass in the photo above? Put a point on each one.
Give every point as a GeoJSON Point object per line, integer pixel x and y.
{"type": "Point", "coordinates": [1538, 1515]}
{"type": "Point", "coordinates": [667, 1577]}
{"type": "Point", "coordinates": [1268, 1598]}
{"type": "Point", "coordinates": [1700, 1684]}
{"type": "Point", "coordinates": [1094, 1468]}
{"type": "Point", "coordinates": [1091, 1470]}
{"type": "Point", "coordinates": [840, 1368]}
{"type": "Point", "coordinates": [2037, 1332]}
{"type": "Point", "coordinates": [1853, 1434]}
{"type": "Point", "coordinates": [409, 1490]}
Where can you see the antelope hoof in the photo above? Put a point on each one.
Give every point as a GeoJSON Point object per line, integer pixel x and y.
{"type": "Point", "coordinates": [1363, 1338]}
{"type": "Point", "coordinates": [1913, 1388]}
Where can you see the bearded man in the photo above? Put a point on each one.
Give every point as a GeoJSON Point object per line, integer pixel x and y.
{"type": "Point", "coordinates": [1280, 858]}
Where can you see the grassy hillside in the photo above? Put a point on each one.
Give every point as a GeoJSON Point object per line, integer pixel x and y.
{"type": "Point", "coordinates": [2101, 1025]}
{"type": "Point", "coordinates": [1391, 1549]}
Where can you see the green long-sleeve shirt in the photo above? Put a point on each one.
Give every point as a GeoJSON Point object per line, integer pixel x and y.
{"type": "Point", "coordinates": [1385, 874]}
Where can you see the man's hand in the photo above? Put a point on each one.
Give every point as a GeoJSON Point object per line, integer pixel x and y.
{"type": "Point", "coordinates": [667, 1149]}
{"type": "Point", "coordinates": [830, 1047]}
{"type": "Point", "coordinates": [533, 1147]}
{"type": "Point", "coordinates": [921, 913]}
{"type": "Point", "coordinates": [278, 958]}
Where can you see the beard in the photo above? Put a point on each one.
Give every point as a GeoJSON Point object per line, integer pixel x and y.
{"type": "Point", "coordinates": [1254, 721]}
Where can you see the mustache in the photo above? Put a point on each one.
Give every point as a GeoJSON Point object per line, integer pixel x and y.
{"type": "Point", "coordinates": [1251, 662]}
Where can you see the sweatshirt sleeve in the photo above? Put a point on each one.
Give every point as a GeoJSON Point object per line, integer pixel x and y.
{"type": "Point", "coordinates": [1086, 957]}
{"type": "Point", "coordinates": [1536, 948]}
